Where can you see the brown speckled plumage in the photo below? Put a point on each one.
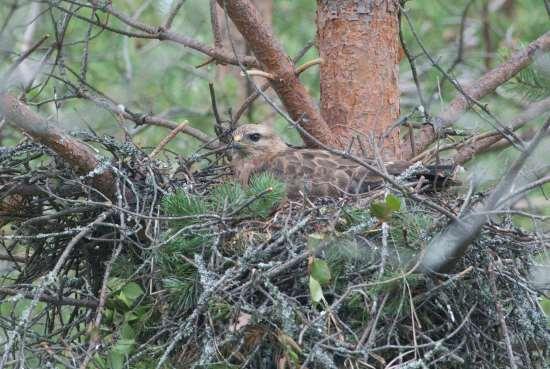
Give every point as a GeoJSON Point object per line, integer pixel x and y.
{"type": "Point", "coordinates": [315, 173]}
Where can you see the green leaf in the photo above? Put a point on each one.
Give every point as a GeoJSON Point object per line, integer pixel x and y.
{"type": "Point", "coordinates": [132, 290]}
{"type": "Point", "coordinates": [116, 360]}
{"type": "Point", "coordinates": [320, 271]}
{"type": "Point", "coordinates": [315, 290]}
{"type": "Point", "coordinates": [115, 283]}
{"type": "Point", "coordinates": [393, 203]}
{"type": "Point", "coordinates": [124, 346]}
{"type": "Point", "coordinates": [130, 293]}
{"type": "Point", "coordinates": [384, 210]}
{"type": "Point", "coordinates": [314, 240]}
{"type": "Point", "coordinates": [127, 332]}
{"type": "Point", "coordinates": [6, 308]}
{"type": "Point", "coordinates": [294, 357]}
{"type": "Point", "coordinates": [130, 316]}
{"type": "Point", "coordinates": [379, 210]}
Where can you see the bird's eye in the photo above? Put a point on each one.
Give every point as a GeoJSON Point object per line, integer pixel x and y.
{"type": "Point", "coordinates": [254, 137]}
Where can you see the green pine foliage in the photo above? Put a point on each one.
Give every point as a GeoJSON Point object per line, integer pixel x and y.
{"type": "Point", "coordinates": [269, 193]}
{"type": "Point", "coordinates": [531, 83]}
{"type": "Point", "coordinates": [182, 204]}
{"type": "Point", "coordinates": [257, 200]}
{"type": "Point", "coordinates": [180, 276]}
{"type": "Point", "coordinates": [411, 230]}
{"type": "Point", "coordinates": [227, 195]}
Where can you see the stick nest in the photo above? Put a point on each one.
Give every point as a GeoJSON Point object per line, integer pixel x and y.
{"type": "Point", "coordinates": [191, 279]}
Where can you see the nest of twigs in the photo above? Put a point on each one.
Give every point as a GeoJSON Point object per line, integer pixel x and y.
{"type": "Point", "coordinates": [104, 282]}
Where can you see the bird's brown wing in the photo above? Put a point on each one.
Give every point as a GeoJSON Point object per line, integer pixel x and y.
{"type": "Point", "coordinates": [318, 173]}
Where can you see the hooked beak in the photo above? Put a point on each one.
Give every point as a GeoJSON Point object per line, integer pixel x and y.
{"type": "Point", "coordinates": [236, 144]}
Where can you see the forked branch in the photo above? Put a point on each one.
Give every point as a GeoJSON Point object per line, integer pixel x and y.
{"type": "Point", "coordinates": [476, 90]}
{"type": "Point", "coordinates": [275, 62]}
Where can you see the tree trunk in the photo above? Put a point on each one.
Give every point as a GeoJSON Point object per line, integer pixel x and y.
{"type": "Point", "coordinates": [359, 42]}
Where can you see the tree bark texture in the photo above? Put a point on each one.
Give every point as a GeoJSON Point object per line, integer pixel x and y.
{"type": "Point", "coordinates": [359, 43]}
{"type": "Point", "coordinates": [79, 156]}
{"type": "Point", "coordinates": [270, 54]}
{"type": "Point", "coordinates": [243, 88]}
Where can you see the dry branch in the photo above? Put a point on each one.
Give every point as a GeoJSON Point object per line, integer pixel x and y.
{"type": "Point", "coordinates": [483, 86]}
{"type": "Point", "coordinates": [50, 299]}
{"type": "Point", "coordinates": [445, 250]}
{"type": "Point", "coordinates": [143, 119]}
{"type": "Point", "coordinates": [168, 138]}
{"type": "Point", "coordinates": [270, 54]}
{"type": "Point", "coordinates": [486, 141]}
{"type": "Point", "coordinates": [483, 142]}
{"type": "Point", "coordinates": [79, 156]}
{"type": "Point", "coordinates": [162, 33]}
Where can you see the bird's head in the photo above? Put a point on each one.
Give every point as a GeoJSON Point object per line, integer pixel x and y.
{"type": "Point", "coordinates": [256, 140]}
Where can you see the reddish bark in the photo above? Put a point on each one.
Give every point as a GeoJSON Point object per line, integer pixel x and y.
{"type": "Point", "coordinates": [79, 156]}
{"type": "Point", "coordinates": [243, 87]}
{"type": "Point", "coordinates": [359, 43]}
{"type": "Point", "coordinates": [274, 60]}
{"type": "Point", "coordinates": [477, 89]}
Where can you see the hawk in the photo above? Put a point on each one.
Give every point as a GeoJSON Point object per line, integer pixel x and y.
{"type": "Point", "coordinates": [312, 172]}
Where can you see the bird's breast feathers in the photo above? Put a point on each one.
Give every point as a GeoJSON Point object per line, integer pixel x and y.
{"type": "Point", "coordinates": [315, 173]}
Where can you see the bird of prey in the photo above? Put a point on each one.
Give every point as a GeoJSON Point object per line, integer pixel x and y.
{"type": "Point", "coordinates": [311, 172]}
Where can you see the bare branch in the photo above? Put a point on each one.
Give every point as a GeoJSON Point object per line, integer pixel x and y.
{"type": "Point", "coordinates": [447, 248]}
{"type": "Point", "coordinates": [25, 55]}
{"type": "Point", "coordinates": [56, 300]}
{"type": "Point", "coordinates": [79, 156]}
{"type": "Point", "coordinates": [159, 33]}
{"type": "Point", "coordinates": [484, 141]}
{"type": "Point", "coordinates": [173, 12]}
{"type": "Point", "coordinates": [168, 138]}
{"type": "Point", "coordinates": [270, 54]}
{"type": "Point", "coordinates": [483, 86]}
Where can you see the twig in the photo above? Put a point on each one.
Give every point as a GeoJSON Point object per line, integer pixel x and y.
{"type": "Point", "coordinates": [447, 248]}
{"type": "Point", "coordinates": [55, 300]}
{"type": "Point", "coordinates": [24, 56]}
{"type": "Point", "coordinates": [152, 32]}
{"type": "Point", "coordinates": [309, 64]}
{"type": "Point", "coordinates": [469, 98]}
{"type": "Point", "coordinates": [480, 142]}
{"type": "Point", "coordinates": [173, 12]}
{"type": "Point", "coordinates": [14, 258]}
{"type": "Point", "coordinates": [259, 73]}
{"type": "Point", "coordinates": [500, 315]}
{"type": "Point", "coordinates": [481, 87]}
{"type": "Point", "coordinates": [168, 138]}
{"type": "Point", "coordinates": [252, 97]}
